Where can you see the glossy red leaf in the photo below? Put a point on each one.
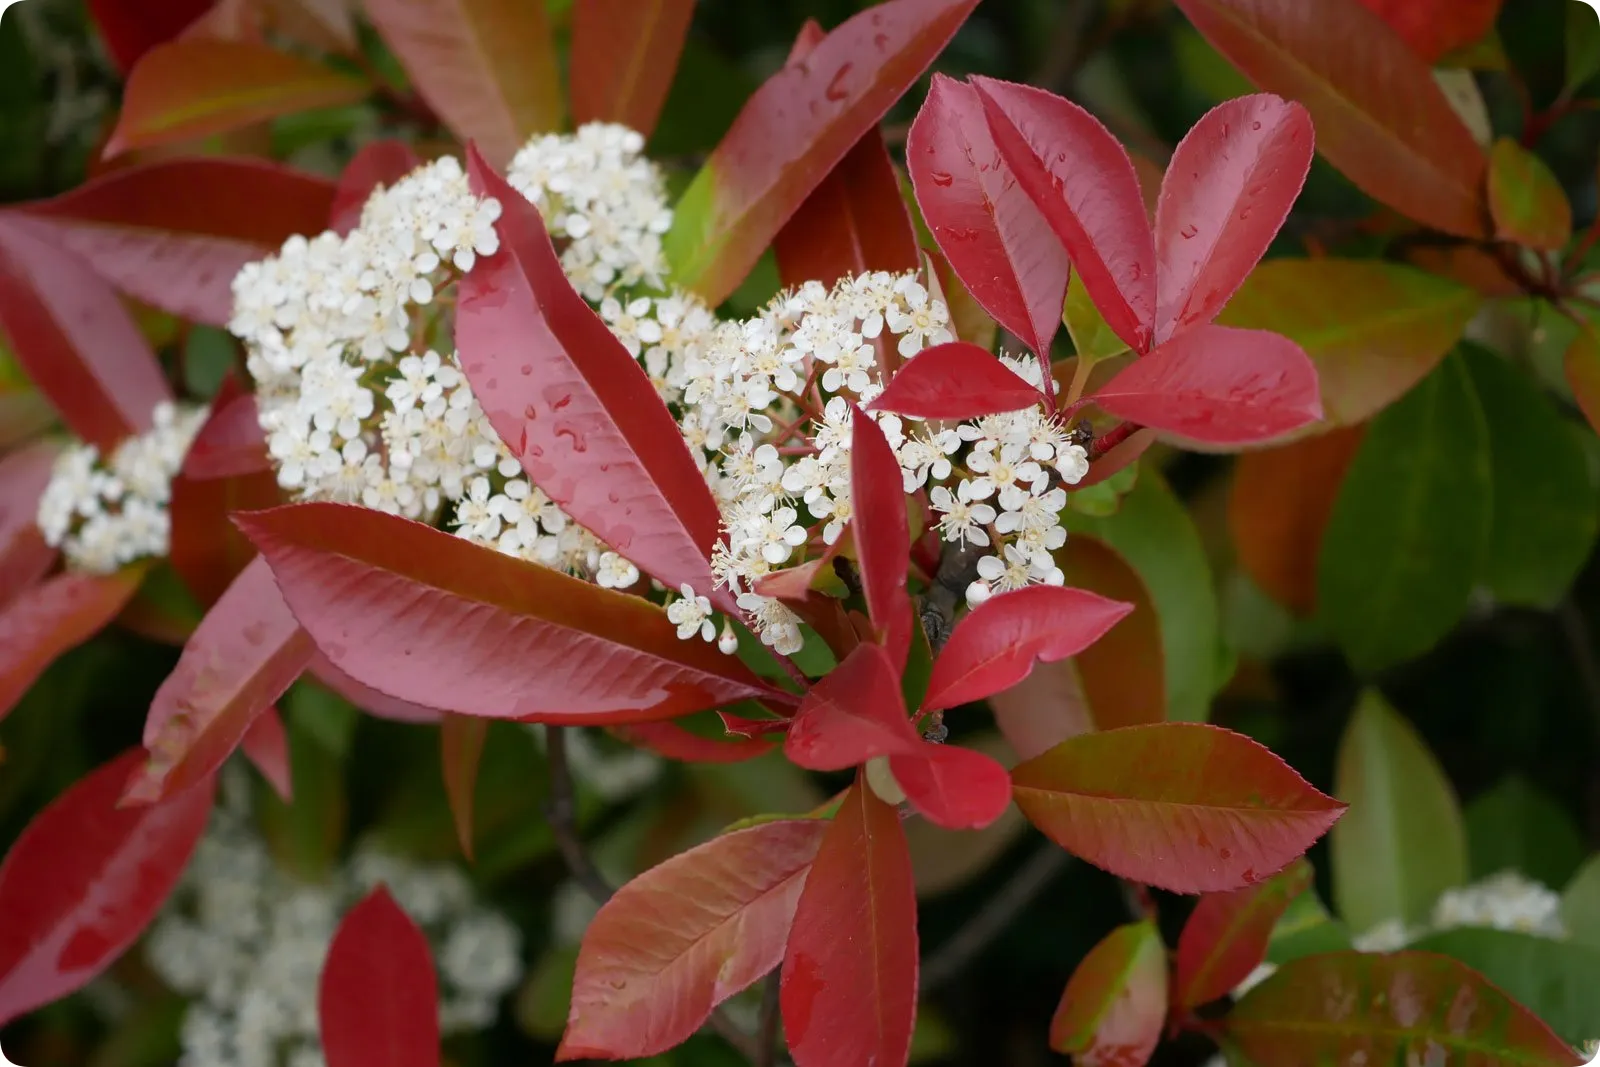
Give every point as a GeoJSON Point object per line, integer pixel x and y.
{"type": "Point", "coordinates": [74, 338]}
{"type": "Point", "coordinates": [1113, 1008]}
{"type": "Point", "coordinates": [434, 620]}
{"type": "Point", "coordinates": [195, 87]}
{"type": "Point", "coordinates": [57, 615]}
{"type": "Point", "coordinates": [130, 28]}
{"type": "Point", "coordinates": [998, 642]}
{"type": "Point", "coordinates": [267, 746]}
{"type": "Point", "coordinates": [956, 380]}
{"type": "Point", "coordinates": [1084, 184]}
{"type": "Point", "coordinates": [1435, 27]}
{"type": "Point", "coordinates": [683, 937]}
{"type": "Point", "coordinates": [231, 443]}
{"type": "Point", "coordinates": [83, 881]}
{"type": "Point", "coordinates": [996, 240]}
{"type": "Point", "coordinates": [957, 788]}
{"type": "Point", "coordinates": [624, 54]}
{"type": "Point", "coordinates": [24, 556]}
{"type": "Point", "coordinates": [1218, 385]}
{"type": "Point", "coordinates": [1225, 937]}
{"type": "Point", "coordinates": [1380, 116]}
{"type": "Point", "coordinates": [1226, 193]}
{"type": "Point", "coordinates": [849, 983]}
{"type": "Point", "coordinates": [378, 998]}
{"type": "Point", "coordinates": [575, 408]}
{"type": "Point", "coordinates": [1181, 806]}
{"type": "Point", "coordinates": [380, 163]}
{"type": "Point", "coordinates": [674, 742]}
{"type": "Point", "coordinates": [793, 131]}
{"type": "Point", "coordinates": [461, 739]}
{"type": "Point", "coordinates": [855, 712]}
{"type": "Point", "coordinates": [174, 232]}
{"type": "Point", "coordinates": [369, 700]}
{"type": "Point", "coordinates": [882, 537]}
{"type": "Point", "coordinates": [488, 67]}
{"type": "Point", "coordinates": [245, 653]}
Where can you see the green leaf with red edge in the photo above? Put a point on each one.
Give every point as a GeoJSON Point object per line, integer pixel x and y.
{"type": "Point", "coordinates": [192, 88]}
{"type": "Point", "coordinates": [380, 163]}
{"type": "Point", "coordinates": [378, 997]}
{"type": "Point", "coordinates": [461, 739]}
{"type": "Point", "coordinates": [1582, 366]}
{"type": "Point", "coordinates": [577, 410]}
{"type": "Point", "coordinates": [956, 380]}
{"type": "Point", "coordinates": [793, 131]}
{"type": "Point", "coordinates": [1526, 199]}
{"type": "Point", "coordinates": [675, 742]}
{"type": "Point", "coordinates": [57, 615]}
{"type": "Point", "coordinates": [989, 230]}
{"type": "Point", "coordinates": [74, 338]}
{"type": "Point", "coordinates": [855, 712]}
{"type": "Point", "coordinates": [882, 537]}
{"type": "Point", "coordinates": [624, 54]}
{"type": "Point", "coordinates": [266, 744]}
{"type": "Point", "coordinates": [998, 642]}
{"type": "Point", "coordinates": [429, 618]}
{"type": "Point", "coordinates": [1115, 1003]}
{"type": "Point", "coordinates": [487, 67]}
{"type": "Point", "coordinates": [683, 937]}
{"type": "Point", "coordinates": [1434, 28]}
{"type": "Point", "coordinates": [1380, 117]}
{"type": "Point", "coordinates": [1226, 935]}
{"type": "Point", "coordinates": [1181, 806]}
{"type": "Point", "coordinates": [24, 556]}
{"type": "Point", "coordinates": [1084, 185]}
{"type": "Point", "coordinates": [231, 443]}
{"type": "Point", "coordinates": [849, 983]}
{"type": "Point", "coordinates": [246, 652]}
{"type": "Point", "coordinates": [957, 788]}
{"type": "Point", "coordinates": [1401, 1007]}
{"type": "Point", "coordinates": [84, 879]}
{"type": "Point", "coordinates": [174, 232]}
{"type": "Point", "coordinates": [130, 28]}
{"type": "Point", "coordinates": [1228, 189]}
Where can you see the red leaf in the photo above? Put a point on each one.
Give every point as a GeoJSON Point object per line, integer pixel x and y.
{"type": "Point", "coordinates": [1084, 184]}
{"type": "Point", "coordinates": [998, 642]}
{"type": "Point", "coordinates": [369, 700]}
{"type": "Point", "coordinates": [1435, 27]}
{"type": "Point", "coordinates": [674, 742]}
{"type": "Point", "coordinates": [488, 67]}
{"type": "Point", "coordinates": [994, 237]}
{"type": "Point", "coordinates": [243, 656]}
{"type": "Point", "coordinates": [956, 380]}
{"type": "Point", "coordinates": [74, 338]}
{"type": "Point", "coordinates": [683, 937]}
{"type": "Point", "coordinates": [174, 232]}
{"type": "Point", "coordinates": [83, 881]}
{"type": "Point", "coordinates": [1114, 1005]}
{"type": "Point", "coordinates": [267, 746]}
{"type": "Point", "coordinates": [434, 620]}
{"type": "Point", "coordinates": [53, 617]}
{"type": "Point", "coordinates": [578, 411]}
{"type": "Point", "coordinates": [379, 163]}
{"type": "Point", "coordinates": [849, 985]}
{"type": "Point", "coordinates": [854, 713]}
{"type": "Point", "coordinates": [195, 87]}
{"type": "Point", "coordinates": [24, 556]}
{"type": "Point", "coordinates": [1181, 806]}
{"type": "Point", "coordinates": [230, 444]}
{"type": "Point", "coordinates": [130, 28]}
{"type": "Point", "coordinates": [1227, 191]}
{"type": "Point", "coordinates": [957, 788]}
{"type": "Point", "coordinates": [624, 54]}
{"type": "Point", "coordinates": [1226, 935]}
{"type": "Point", "coordinates": [1219, 385]}
{"type": "Point", "coordinates": [883, 541]}
{"type": "Point", "coordinates": [793, 131]}
{"type": "Point", "coordinates": [461, 739]}
{"type": "Point", "coordinates": [378, 998]}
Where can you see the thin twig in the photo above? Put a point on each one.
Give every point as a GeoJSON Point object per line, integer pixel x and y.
{"type": "Point", "coordinates": [767, 1030]}
{"type": "Point", "coordinates": [993, 918]}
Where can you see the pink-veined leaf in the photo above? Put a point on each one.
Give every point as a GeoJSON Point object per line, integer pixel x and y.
{"type": "Point", "coordinates": [668, 739]}
{"type": "Point", "coordinates": [882, 538]}
{"type": "Point", "coordinates": [434, 620]}
{"type": "Point", "coordinates": [1115, 1003]}
{"type": "Point", "coordinates": [57, 615]}
{"type": "Point", "coordinates": [174, 232]}
{"type": "Point", "coordinates": [956, 380]}
{"type": "Point", "coordinates": [244, 655]}
{"type": "Point", "coordinates": [194, 87]}
{"type": "Point", "coordinates": [1526, 199]}
{"type": "Point", "coordinates": [266, 745]}
{"type": "Point", "coordinates": [74, 338]}
{"type": "Point", "coordinates": [381, 163]}
{"type": "Point", "coordinates": [793, 131]}
{"type": "Point", "coordinates": [231, 443]}
{"type": "Point", "coordinates": [1435, 27]}
{"type": "Point", "coordinates": [855, 712]}
{"type": "Point", "coordinates": [577, 410]}
{"type": "Point", "coordinates": [130, 28]}
{"type": "Point", "coordinates": [624, 54]}
{"type": "Point", "coordinates": [488, 67]}
{"type": "Point", "coordinates": [1181, 806]}
{"type": "Point", "coordinates": [378, 997]}
{"type": "Point", "coordinates": [998, 642]}
{"type": "Point", "coordinates": [995, 239]}
{"type": "Point", "coordinates": [461, 739]}
{"type": "Point", "coordinates": [1084, 185]}
{"type": "Point", "coordinates": [1226, 935]}
{"type": "Point", "coordinates": [1226, 193]}
{"type": "Point", "coordinates": [24, 556]}
{"type": "Point", "coordinates": [84, 879]}
{"type": "Point", "coordinates": [849, 982]}
{"type": "Point", "coordinates": [957, 788]}
{"type": "Point", "coordinates": [1219, 385]}
{"type": "Point", "coordinates": [683, 937]}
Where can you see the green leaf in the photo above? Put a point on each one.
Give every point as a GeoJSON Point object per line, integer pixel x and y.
{"type": "Point", "coordinates": [1410, 528]}
{"type": "Point", "coordinates": [1116, 999]}
{"type": "Point", "coordinates": [1558, 981]}
{"type": "Point", "coordinates": [1583, 46]}
{"type": "Point", "coordinates": [1306, 929]}
{"type": "Point", "coordinates": [1580, 904]}
{"type": "Point", "coordinates": [1402, 842]}
{"type": "Point", "coordinates": [1517, 826]}
{"type": "Point", "coordinates": [1526, 199]}
{"type": "Point", "coordinates": [305, 834]}
{"type": "Point", "coordinates": [1092, 339]}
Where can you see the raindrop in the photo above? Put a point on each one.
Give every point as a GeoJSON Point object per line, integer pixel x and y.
{"type": "Point", "coordinates": [941, 178]}
{"type": "Point", "coordinates": [527, 369]}
{"type": "Point", "coordinates": [1188, 232]}
{"type": "Point", "coordinates": [836, 90]}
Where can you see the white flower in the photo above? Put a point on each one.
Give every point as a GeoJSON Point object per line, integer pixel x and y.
{"type": "Point", "coordinates": [962, 520]}
{"type": "Point", "coordinates": [778, 627]}
{"type": "Point", "coordinates": [692, 615]}
{"type": "Point", "coordinates": [922, 322]}
{"type": "Point", "coordinates": [614, 572]}
{"type": "Point", "coordinates": [1504, 901]}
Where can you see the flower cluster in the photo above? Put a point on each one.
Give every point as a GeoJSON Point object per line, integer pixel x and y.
{"type": "Point", "coordinates": [106, 514]}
